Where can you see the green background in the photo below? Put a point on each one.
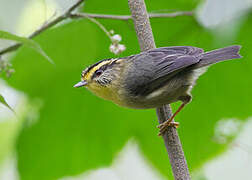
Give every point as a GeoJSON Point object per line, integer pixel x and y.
{"type": "Point", "coordinates": [77, 131]}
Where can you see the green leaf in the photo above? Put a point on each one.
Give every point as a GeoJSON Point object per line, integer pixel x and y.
{"type": "Point", "coordinates": [2, 100]}
{"type": "Point", "coordinates": [26, 41]}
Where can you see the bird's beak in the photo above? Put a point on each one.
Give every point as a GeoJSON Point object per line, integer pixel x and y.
{"type": "Point", "coordinates": [80, 84]}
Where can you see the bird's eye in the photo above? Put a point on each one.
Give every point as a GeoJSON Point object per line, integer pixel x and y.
{"type": "Point", "coordinates": [98, 72]}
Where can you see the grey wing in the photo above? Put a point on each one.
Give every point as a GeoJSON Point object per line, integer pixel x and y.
{"type": "Point", "coordinates": [151, 69]}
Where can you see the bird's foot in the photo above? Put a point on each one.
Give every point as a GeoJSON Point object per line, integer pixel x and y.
{"type": "Point", "coordinates": [163, 127]}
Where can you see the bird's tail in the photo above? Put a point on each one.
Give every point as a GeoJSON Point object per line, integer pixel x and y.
{"type": "Point", "coordinates": [211, 57]}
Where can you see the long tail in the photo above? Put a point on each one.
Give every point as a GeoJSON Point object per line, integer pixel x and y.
{"type": "Point", "coordinates": [227, 53]}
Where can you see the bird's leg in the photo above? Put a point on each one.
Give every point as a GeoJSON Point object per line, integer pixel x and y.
{"type": "Point", "coordinates": [169, 122]}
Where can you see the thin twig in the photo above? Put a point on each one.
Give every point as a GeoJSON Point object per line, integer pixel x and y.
{"type": "Point", "coordinates": [128, 17]}
{"type": "Point", "coordinates": [45, 27]}
{"type": "Point", "coordinates": [100, 26]}
{"type": "Point", "coordinates": [171, 138]}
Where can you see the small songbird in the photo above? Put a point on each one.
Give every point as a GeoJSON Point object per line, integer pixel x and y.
{"type": "Point", "coordinates": [153, 78]}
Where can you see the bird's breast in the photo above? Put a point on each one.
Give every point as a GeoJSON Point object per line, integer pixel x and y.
{"type": "Point", "coordinates": [108, 93]}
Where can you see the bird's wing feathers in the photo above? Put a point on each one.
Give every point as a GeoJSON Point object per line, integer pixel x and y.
{"type": "Point", "coordinates": [156, 66]}
{"type": "Point", "coordinates": [170, 59]}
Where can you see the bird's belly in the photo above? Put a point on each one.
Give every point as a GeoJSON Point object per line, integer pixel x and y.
{"type": "Point", "coordinates": [156, 99]}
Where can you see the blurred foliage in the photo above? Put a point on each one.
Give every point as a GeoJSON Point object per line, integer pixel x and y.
{"type": "Point", "coordinates": [6, 68]}
{"type": "Point", "coordinates": [8, 133]}
{"type": "Point", "coordinates": [77, 131]}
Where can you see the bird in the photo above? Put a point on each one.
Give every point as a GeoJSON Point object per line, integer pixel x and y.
{"type": "Point", "coordinates": [153, 78]}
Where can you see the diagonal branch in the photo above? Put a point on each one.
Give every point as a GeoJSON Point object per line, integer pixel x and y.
{"type": "Point", "coordinates": [171, 138]}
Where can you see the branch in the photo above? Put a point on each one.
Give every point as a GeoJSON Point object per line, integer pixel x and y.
{"type": "Point", "coordinates": [45, 26]}
{"type": "Point", "coordinates": [173, 146]}
{"type": "Point", "coordinates": [142, 24]}
{"type": "Point", "coordinates": [171, 138]}
{"type": "Point", "coordinates": [128, 17]}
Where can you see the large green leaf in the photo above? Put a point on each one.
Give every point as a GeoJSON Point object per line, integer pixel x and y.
{"type": "Point", "coordinates": [77, 131]}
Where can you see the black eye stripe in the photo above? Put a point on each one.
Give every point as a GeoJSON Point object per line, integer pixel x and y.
{"type": "Point", "coordinates": [92, 66]}
{"type": "Point", "coordinates": [85, 71]}
{"type": "Point", "coordinates": [98, 72]}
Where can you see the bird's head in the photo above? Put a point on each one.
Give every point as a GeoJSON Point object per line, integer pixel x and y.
{"type": "Point", "coordinates": [99, 78]}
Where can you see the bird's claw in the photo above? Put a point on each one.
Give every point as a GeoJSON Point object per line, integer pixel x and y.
{"type": "Point", "coordinates": [163, 127]}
